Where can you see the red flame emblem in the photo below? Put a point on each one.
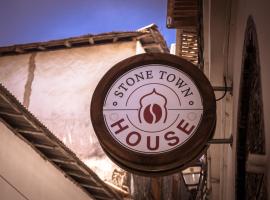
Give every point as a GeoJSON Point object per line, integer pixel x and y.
{"type": "Point", "coordinates": [153, 108]}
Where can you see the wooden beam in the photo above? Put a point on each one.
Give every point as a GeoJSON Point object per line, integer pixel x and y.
{"type": "Point", "coordinates": [183, 15]}
{"type": "Point", "coordinates": [115, 39]}
{"type": "Point", "coordinates": [182, 22]}
{"type": "Point", "coordinates": [185, 3]}
{"type": "Point", "coordinates": [93, 187]}
{"type": "Point", "coordinates": [70, 162]}
{"type": "Point", "coordinates": [68, 44]}
{"type": "Point", "coordinates": [30, 132]}
{"type": "Point", "coordinates": [118, 189]}
{"type": "Point", "coordinates": [84, 170]}
{"type": "Point", "coordinates": [187, 12]}
{"type": "Point", "coordinates": [79, 175]}
{"type": "Point", "coordinates": [185, 7]}
{"type": "Point", "coordinates": [156, 188]}
{"type": "Point", "coordinates": [102, 197]}
{"type": "Point", "coordinates": [19, 50]}
{"type": "Point", "coordinates": [11, 114]}
{"type": "Point", "coordinates": [141, 36]}
{"type": "Point", "coordinates": [91, 40]}
{"type": "Point", "coordinates": [45, 146]}
{"type": "Point", "coordinates": [42, 48]}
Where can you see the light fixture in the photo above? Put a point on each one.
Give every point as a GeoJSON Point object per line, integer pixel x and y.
{"type": "Point", "coordinates": [192, 176]}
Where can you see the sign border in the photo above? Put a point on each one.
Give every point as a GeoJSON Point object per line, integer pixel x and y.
{"type": "Point", "coordinates": [166, 162]}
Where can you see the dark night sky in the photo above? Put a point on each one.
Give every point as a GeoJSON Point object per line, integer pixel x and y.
{"type": "Point", "coordinates": [25, 21]}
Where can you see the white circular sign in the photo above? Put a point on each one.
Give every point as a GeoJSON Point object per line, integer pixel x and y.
{"type": "Point", "coordinates": [153, 109]}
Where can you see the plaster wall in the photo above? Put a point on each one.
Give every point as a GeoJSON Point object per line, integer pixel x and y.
{"type": "Point", "coordinates": [25, 175]}
{"type": "Point", "coordinates": [14, 73]}
{"type": "Point", "coordinates": [58, 86]}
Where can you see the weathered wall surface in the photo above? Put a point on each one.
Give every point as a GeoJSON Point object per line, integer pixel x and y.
{"type": "Point", "coordinates": [24, 174]}
{"type": "Point", "coordinates": [224, 32]}
{"type": "Point", "coordinates": [259, 10]}
{"type": "Point", "coordinates": [57, 87]}
{"type": "Point", "coordinates": [14, 73]}
{"type": "Point", "coordinates": [216, 26]}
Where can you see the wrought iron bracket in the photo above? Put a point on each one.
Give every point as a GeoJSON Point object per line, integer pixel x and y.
{"type": "Point", "coordinates": [222, 88]}
{"type": "Point", "coordinates": [222, 141]}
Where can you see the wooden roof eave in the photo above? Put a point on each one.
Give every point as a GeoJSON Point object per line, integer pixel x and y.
{"type": "Point", "coordinates": [18, 119]}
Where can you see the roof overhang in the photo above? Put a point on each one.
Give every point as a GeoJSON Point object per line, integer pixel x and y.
{"type": "Point", "coordinates": [21, 122]}
{"type": "Point", "coordinates": [149, 36]}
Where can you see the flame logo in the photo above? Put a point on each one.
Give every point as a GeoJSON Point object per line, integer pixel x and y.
{"type": "Point", "coordinates": [150, 112]}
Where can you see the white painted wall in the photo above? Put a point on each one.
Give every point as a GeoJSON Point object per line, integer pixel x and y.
{"type": "Point", "coordinates": [25, 175]}
{"type": "Point", "coordinates": [13, 73]}
{"type": "Point", "coordinates": [61, 91]}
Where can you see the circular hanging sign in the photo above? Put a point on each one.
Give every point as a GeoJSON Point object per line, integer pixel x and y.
{"type": "Point", "coordinates": [153, 113]}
